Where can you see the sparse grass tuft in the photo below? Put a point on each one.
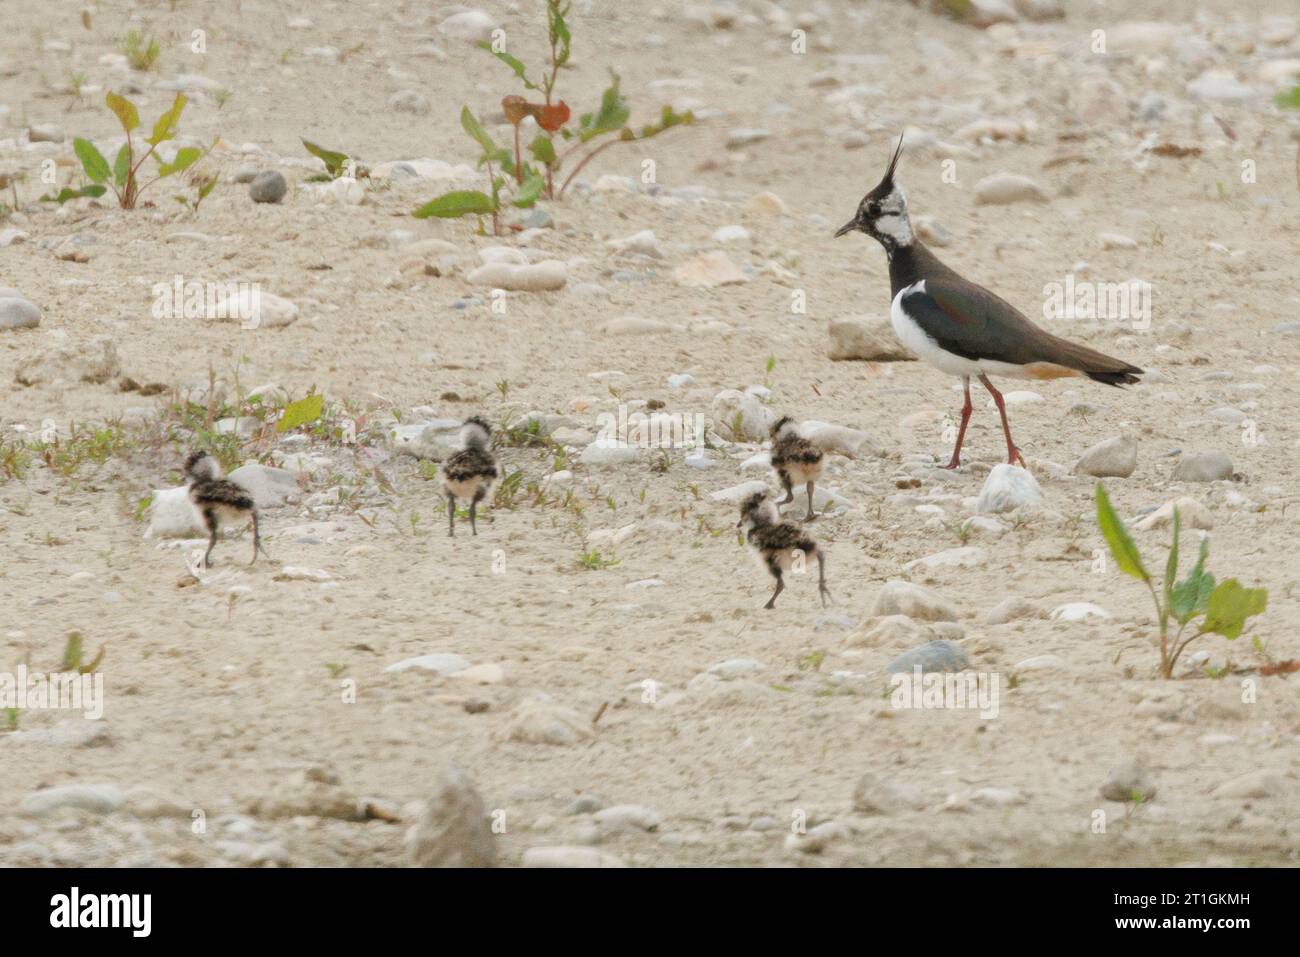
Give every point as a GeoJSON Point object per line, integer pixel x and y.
{"type": "Point", "coordinates": [141, 50]}
{"type": "Point", "coordinates": [592, 560]}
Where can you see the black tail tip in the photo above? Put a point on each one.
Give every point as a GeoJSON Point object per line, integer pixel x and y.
{"type": "Point", "coordinates": [1127, 377]}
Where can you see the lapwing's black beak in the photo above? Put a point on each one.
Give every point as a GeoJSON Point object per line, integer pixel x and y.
{"type": "Point", "coordinates": [848, 227]}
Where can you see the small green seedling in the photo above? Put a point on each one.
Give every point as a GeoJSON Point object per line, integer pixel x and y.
{"type": "Point", "coordinates": [536, 178]}
{"type": "Point", "coordinates": [73, 654]}
{"type": "Point", "coordinates": [1291, 101]}
{"type": "Point", "coordinates": [467, 202]}
{"type": "Point", "coordinates": [1196, 604]}
{"type": "Point", "coordinates": [592, 560]}
{"type": "Point", "coordinates": [141, 50]}
{"type": "Point", "coordinates": [336, 164]}
{"type": "Point", "coordinates": [124, 176]}
{"type": "Point", "coordinates": [203, 185]}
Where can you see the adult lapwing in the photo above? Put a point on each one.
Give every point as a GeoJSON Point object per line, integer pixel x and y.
{"type": "Point", "coordinates": [962, 328]}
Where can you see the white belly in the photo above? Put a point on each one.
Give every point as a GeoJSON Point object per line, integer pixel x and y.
{"type": "Point", "coordinates": [787, 559]}
{"type": "Point", "coordinates": [465, 488]}
{"type": "Point", "coordinates": [801, 474]}
{"type": "Point", "coordinates": [227, 517]}
{"type": "Point", "coordinates": [919, 342]}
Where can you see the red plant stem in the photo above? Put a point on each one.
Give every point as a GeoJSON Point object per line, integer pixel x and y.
{"type": "Point", "coordinates": [519, 174]}
{"type": "Point", "coordinates": [585, 160]}
{"type": "Point", "coordinates": [132, 191]}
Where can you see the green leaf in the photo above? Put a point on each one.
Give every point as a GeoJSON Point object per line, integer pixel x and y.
{"type": "Point", "coordinates": [543, 150]}
{"type": "Point", "coordinates": [126, 112]}
{"type": "Point", "coordinates": [529, 190]}
{"type": "Point", "coordinates": [512, 62]}
{"type": "Point", "coordinates": [92, 161]}
{"type": "Point", "coordinates": [461, 202]}
{"type": "Point", "coordinates": [557, 28]}
{"type": "Point", "coordinates": [301, 412]}
{"type": "Point", "coordinates": [1229, 607]}
{"type": "Point", "coordinates": [668, 118]}
{"type": "Point", "coordinates": [475, 129]}
{"type": "Point", "coordinates": [166, 126]}
{"type": "Point", "coordinates": [1289, 101]}
{"type": "Point", "coordinates": [1189, 596]}
{"type": "Point", "coordinates": [72, 652]}
{"type": "Point", "coordinates": [122, 165]}
{"type": "Point", "coordinates": [185, 157]}
{"type": "Point", "coordinates": [207, 187]}
{"type": "Point", "coordinates": [1117, 537]}
{"type": "Point", "coordinates": [334, 162]}
{"type": "Point", "coordinates": [67, 193]}
{"type": "Point", "coordinates": [1171, 565]}
{"type": "Point", "coordinates": [612, 115]}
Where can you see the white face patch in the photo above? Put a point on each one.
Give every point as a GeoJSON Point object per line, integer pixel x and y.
{"type": "Point", "coordinates": [896, 227]}
{"type": "Point", "coordinates": [892, 220]}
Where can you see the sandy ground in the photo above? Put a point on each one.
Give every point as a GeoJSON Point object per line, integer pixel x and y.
{"type": "Point", "coordinates": [229, 734]}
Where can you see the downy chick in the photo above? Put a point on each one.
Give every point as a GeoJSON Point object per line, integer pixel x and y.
{"type": "Point", "coordinates": [216, 500]}
{"type": "Point", "coordinates": [796, 461]}
{"type": "Point", "coordinates": [470, 472]}
{"type": "Point", "coordinates": [780, 545]}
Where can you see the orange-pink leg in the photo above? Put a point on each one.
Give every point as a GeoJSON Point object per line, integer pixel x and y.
{"type": "Point", "coordinates": [961, 431]}
{"type": "Point", "coordinates": [1013, 453]}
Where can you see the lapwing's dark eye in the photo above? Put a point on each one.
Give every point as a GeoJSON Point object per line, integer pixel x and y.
{"type": "Point", "coordinates": [873, 209]}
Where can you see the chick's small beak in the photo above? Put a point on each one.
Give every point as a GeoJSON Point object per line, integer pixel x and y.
{"type": "Point", "coordinates": [848, 227]}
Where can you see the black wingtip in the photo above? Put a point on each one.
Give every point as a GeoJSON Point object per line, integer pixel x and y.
{"type": "Point", "coordinates": [1127, 377]}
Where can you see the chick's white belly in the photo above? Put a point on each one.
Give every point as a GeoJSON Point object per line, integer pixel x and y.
{"type": "Point", "coordinates": [464, 488]}
{"type": "Point", "coordinates": [226, 515]}
{"type": "Point", "coordinates": [801, 473]}
{"type": "Point", "coordinates": [787, 559]}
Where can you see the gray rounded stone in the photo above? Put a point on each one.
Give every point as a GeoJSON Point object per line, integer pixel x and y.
{"type": "Point", "coordinates": [17, 313]}
{"type": "Point", "coordinates": [268, 187]}
{"type": "Point", "coordinates": [1114, 458]}
{"type": "Point", "coordinates": [1203, 467]}
{"type": "Point", "coordinates": [933, 656]}
{"type": "Point", "coordinates": [1128, 782]}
